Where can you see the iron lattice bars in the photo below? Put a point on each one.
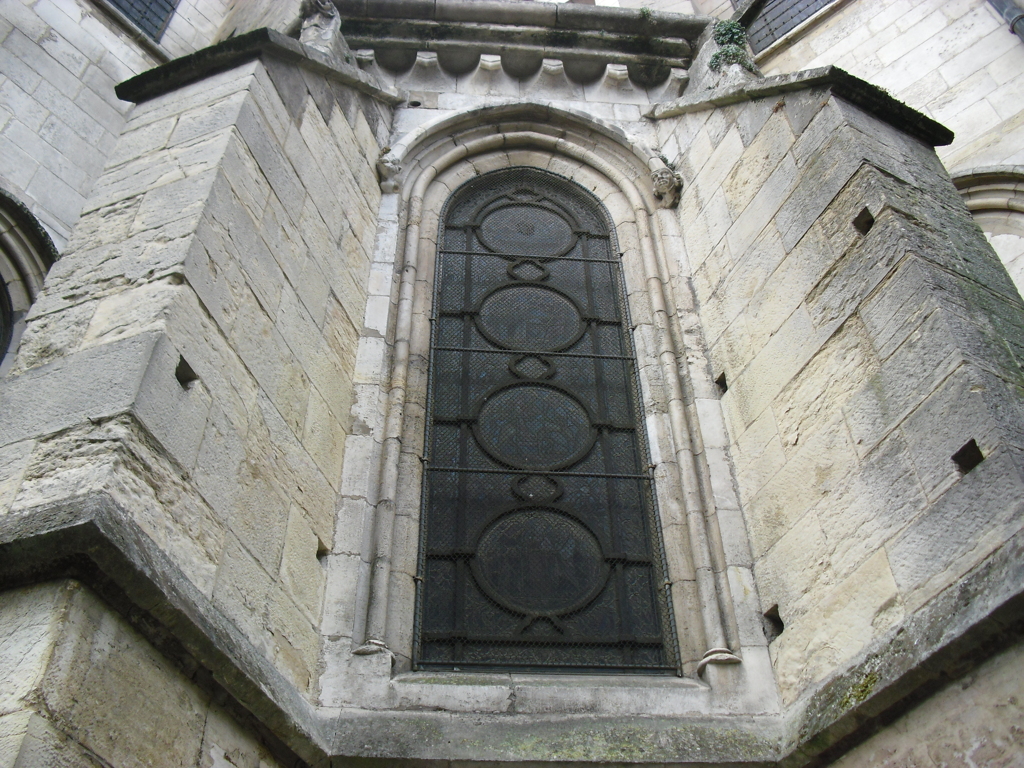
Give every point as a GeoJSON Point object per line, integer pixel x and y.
{"type": "Point", "coordinates": [539, 546]}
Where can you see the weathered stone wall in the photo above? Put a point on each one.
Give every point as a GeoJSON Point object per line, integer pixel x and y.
{"type": "Point", "coordinates": [957, 62]}
{"type": "Point", "coordinates": [195, 24]}
{"type": "Point", "coordinates": [976, 720]}
{"type": "Point", "coordinates": [192, 354]}
{"type": "Point", "coordinates": [80, 688]}
{"type": "Point", "coordinates": [865, 333]}
{"type": "Point", "coordinates": [59, 117]}
{"type": "Point", "coordinates": [245, 15]}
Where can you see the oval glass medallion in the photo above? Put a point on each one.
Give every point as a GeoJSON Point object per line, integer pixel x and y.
{"type": "Point", "coordinates": [526, 230]}
{"type": "Point", "coordinates": [529, 317]}
{"type": "Point", "coordinates": [539, 561]}
{"type": "Point", "coordinates": [529, 426]}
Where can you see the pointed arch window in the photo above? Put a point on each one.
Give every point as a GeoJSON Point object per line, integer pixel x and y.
{"type": "Point", "coordinates": [539, 547]}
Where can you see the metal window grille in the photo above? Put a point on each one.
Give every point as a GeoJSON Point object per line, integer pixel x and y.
{"type": "Point", "coordinates": [151, 16]}
{"type": "Point", "coordinates": [777, 17]}
{"type": "Point", "coordinates": [539, 547]}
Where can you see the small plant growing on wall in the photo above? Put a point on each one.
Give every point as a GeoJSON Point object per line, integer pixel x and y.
{"type": "Point", "coordinates": [732, 40]}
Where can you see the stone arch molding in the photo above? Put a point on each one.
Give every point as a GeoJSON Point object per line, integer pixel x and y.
{"type": "Point", "coordinates": [418, 177]}
{"type": "Point", "coordinates": [26, 255]}
{"type": "Point", "coordinates": [995, 197]}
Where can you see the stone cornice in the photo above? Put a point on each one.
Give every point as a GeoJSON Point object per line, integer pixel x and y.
{"type": "Point", "coordinates": [861, 93]}
{"type": "Point", "coordinates": [238, 50]}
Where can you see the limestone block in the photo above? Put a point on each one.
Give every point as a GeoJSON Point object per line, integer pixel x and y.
{"type": "Point", "coordinates": [99, 687]}
{"type": "Point", "coordinates": [787, 286]}
{"type": "Point", "coordinates": [842, 367]}
{"type": "Point", "coordinates": [859, 609]}
{"type": "Point", "coordinates": [154, 490]}
{"type": "Point", "coordinates": [821, 465]}
{"type": "Point", "coordinates": [775, 365]}
{"type": "Point", "coordinates": [172, 405]}
{"type": "Point", "coordinates": [971, 519]}
{"type": "Point", "coordinates": [295, 642]}
{"type": "Point", "coordinates": [914, 370]}
{"type": "Point", "coordinates": [269, 360]}
{"type": "Point", "coordinates": [247, 181]}
{"type": "Point", "coordinates": [340, 604]}
{"type": "Point", "coordinates": [271, 159]}
{"type": "Point", "coordinates": [214, 116]}
{"type": "Point", "coordinates": [324, 437]}
{"type": "Point", "coordinates": [238, 241]}
{"type": "Point", "coordinates": [206, 91]}
{"type": "Point", "coordinates": [302, 573]}
{"type": "Point", "coordinates": [291, 469]}
{"type": "Point", "coordinates": [765, 204]}
{"type": "Point", "coordinates": [243, 592]}
{"type": "Point", "coordinates": [882, 498]}
{"type": "Point", "coordinates": [760, 158]}
{"type": "Point", "coordinates": [14, 460]}
{"type": "Point", "coordinates": [92, 384]}
{"type": "Point", "coordinates": [743, 588]}
{"type": "Point", "coordinates": [40, 745]}
{"type": "Point", "coordinates": [796, 571]}
{"type": "Point", "coordinates": [31, 626]}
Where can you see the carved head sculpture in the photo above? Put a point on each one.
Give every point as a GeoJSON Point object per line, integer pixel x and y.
{"type": "Point", "coordinates": [388, 168]}
{"type": "Point", "coordinates": [667, 185]}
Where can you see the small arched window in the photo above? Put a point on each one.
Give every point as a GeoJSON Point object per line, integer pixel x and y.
{"type": "Point", "coordinates": [540, 545]}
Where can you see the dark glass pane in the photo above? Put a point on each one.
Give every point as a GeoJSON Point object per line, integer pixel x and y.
{"type": "Point", "coordinates": [538, 548]}
{"type": "Point", "coordinates": [777, 17]}
{"type": "Point", "coordinates": [151, 16]}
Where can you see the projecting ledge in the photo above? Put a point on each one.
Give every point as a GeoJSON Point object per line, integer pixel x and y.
{"type": "Point", "coordinates": [238, 50]}
{"type": "Point", "coordinates": [861, 93]}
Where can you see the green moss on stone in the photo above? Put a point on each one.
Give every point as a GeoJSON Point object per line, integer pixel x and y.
{"type": "Point", "coordinates": [860, 692]}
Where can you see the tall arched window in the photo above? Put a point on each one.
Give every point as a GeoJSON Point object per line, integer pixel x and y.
{"type": "Point", "coordinates": [539, 546]}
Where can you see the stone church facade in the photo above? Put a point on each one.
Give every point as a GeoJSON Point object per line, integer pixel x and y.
{"type": "Point", "coordinates": [492, 382]}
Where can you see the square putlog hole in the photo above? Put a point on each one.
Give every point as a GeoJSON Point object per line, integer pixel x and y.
{"type": "Point", "coordinates": [773, 626]}
{"type": "Point", "coordinates": [968, 457]}
{"type": "Point", "coordinates": [184, 373]}
{"type": "Point", "coordinates": [722, 384]}
{"type": "Point", "coordinates": [864, 221]}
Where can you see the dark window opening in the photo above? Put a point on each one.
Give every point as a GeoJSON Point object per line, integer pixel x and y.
{"type": "Point", "coordinates": [151, 16]}
{"type": "Point", "coordinates": [540, 548]}
{"type": "Point", "coordinates": [6, 319]}
{"type": "Point", "coordinates": [779, 17]}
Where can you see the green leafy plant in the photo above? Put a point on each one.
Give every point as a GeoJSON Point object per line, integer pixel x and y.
{"type": "Point", "coordinates": [730, 33]}
{"type": "Point", "coordinates": [732, 39]}
{"type": "Point", "coordinates": [646, 14]}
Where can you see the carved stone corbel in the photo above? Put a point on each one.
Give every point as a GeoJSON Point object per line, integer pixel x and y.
{"type": "Point", "coordinates": [388, 168]}
{"type": "Point", "coordinates": [667, 186]}
{"type": "Point", "coordinates": [321, 25]}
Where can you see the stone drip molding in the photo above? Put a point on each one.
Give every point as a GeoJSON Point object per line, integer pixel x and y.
{"type": "Point", "coordinates": [993, 190]}
{"type": "Point", "coordinates": [499, 76]}
{"type": "Point", "coordinates": [497, 47]}
{"type": "Point", "coordinates": [430, 169]}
